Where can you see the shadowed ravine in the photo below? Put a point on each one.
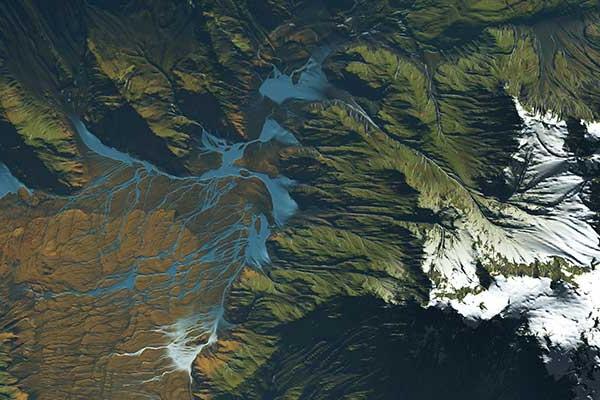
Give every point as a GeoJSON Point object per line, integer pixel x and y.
{"type": "Point", "coordinates": [347, 203]}
{"type": "Point", "coordinates": [136, 269]}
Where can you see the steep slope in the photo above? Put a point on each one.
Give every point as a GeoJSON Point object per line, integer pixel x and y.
{"type": "Point", "coordinates": [264, 182]}
{"type": "Point", "coordinates": [423, 163]}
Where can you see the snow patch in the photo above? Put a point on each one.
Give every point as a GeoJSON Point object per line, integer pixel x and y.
{"type": "Point", "coordinates": [593, 129]}
{"type": "Point", "coordinates": [562, 318]}
{"type": "Point", "coordinates": [543, 219]}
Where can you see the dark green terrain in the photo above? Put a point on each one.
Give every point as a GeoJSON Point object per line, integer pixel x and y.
{"type": "Point", "coordinates": [417, 175]}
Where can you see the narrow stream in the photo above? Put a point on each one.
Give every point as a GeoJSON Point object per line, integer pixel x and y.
{"type": "Point", "coordinates": [139, 263]}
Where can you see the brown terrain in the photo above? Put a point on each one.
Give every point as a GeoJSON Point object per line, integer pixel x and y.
{"type": "Point", "coordinates": [112, 291]}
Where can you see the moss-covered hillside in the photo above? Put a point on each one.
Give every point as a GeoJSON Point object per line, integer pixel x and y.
{"type": "Point", "coordinates": [452, 144]}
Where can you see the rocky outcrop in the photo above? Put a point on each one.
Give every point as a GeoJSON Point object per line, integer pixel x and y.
{"type": "Point", "coordinates": [424, 169]}
{"type": "Point", "coordinates": [413, 141]}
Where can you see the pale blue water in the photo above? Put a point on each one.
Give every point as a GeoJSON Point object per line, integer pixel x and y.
{"type": "Point", "coordinates": [8, 182]}
{"type": "Point", "coordinates": [311, 84]}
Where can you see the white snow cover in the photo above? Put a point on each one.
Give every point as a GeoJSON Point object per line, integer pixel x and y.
{"type": "Point", "coordinates": [564, 315]}
{"type": "Point", "coordinates": [543, 219]}
{"type": "Point", "coordinates": [561, 318]}
{"type": "Point", "coordinates": [451, 255]}
{"type": "Point", "coordinates": [593, 129]}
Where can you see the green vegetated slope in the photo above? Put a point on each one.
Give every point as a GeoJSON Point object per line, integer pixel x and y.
{"type": "Point", "coordinates": [443, 21]}
{"type": "Point", "coordinates": [415, 142]}
{"type": "Point", "coordinates": [168, 69]}
{"type": "Point", "coordinates": [145, 77]}
{"type": "Point", "coordinates": [414, 139]}
{"type": "Point", "coordinates": [36, 134]}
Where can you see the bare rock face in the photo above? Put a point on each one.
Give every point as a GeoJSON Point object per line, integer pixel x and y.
{"type": "Point", "coordinates": [298, 199]}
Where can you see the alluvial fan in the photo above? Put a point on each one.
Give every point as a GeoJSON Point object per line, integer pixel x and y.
{"type": "Point", "coordinates": [117, 289]}
{"type": "Point", "coordinates": [300, 199]}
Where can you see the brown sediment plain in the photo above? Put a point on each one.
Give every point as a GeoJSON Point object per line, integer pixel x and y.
{"type": "Point", "coordinates": [112, 292]}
